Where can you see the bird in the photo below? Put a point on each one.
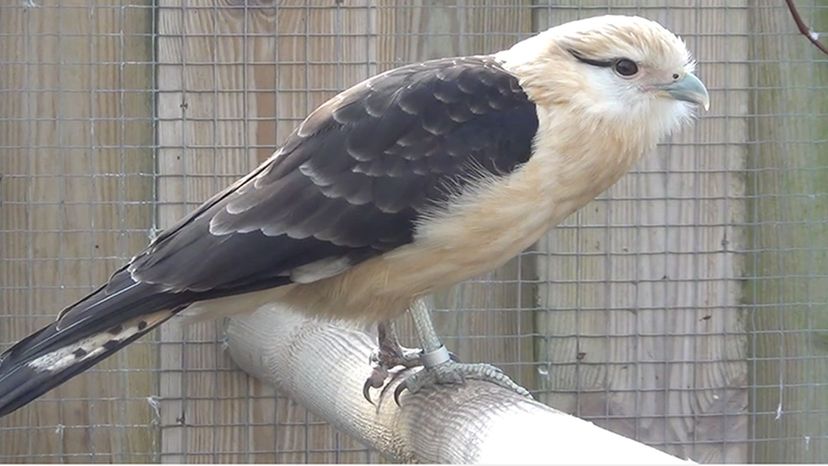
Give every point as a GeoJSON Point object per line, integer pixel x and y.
{"type": "Point", "coordinates": [400, 186]}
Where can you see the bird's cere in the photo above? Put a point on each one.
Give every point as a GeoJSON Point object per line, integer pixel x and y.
{"type": "Point", "coordinates": [688, 89]}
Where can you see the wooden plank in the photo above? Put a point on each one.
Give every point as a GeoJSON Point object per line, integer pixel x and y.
{"type": "Point", "coordinates": [235, 81]}
{"type": "Point", "coordinates": [643, 330]}
{"type": "Point", "coordinates": [788, 270]}
{"type": "Point", "coordinates": [77, 162]}
{"type": "Point", "coordinates": [488, 319]}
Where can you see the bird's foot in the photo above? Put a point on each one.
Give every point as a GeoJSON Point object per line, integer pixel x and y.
{"type": "Point", "coordinates": [452, 372]}
{"type": "Point", "coordinates": [388, 356]}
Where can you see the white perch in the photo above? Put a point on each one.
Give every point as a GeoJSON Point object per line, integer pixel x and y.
{"type": "Point", "coordinates": [323, 365]}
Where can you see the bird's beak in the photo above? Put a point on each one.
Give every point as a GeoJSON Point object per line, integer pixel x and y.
{"type": "Point", "coordinates": [689, 89]}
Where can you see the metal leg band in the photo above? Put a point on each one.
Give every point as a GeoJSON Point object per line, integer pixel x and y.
{"type": "Point", "coordinates": [436, 357]}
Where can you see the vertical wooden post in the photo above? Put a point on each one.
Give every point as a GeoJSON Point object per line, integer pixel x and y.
{"type": "Point", "coordinates": [788, 268]}
{"type": "Point", "coordinates": [296, 58]}
{"type": "Point", "coordinates": [234, 82]}
{"type": "Point", "coordinates": [642, 326]}
{"type": "Point", "coordinates": [75, 126]}
{"type": "Point", "coordinates": [499, 305]}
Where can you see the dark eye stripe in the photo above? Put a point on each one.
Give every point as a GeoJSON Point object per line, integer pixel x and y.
{"type": "Point", "coordinates": [591, 61]}
{"type": "Point", "coordinates": [623, 66]}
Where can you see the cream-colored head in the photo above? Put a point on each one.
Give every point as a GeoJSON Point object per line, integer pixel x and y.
{"type": "Point", "coordinates": [619, 70]}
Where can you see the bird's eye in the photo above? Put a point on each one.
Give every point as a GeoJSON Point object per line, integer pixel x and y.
{"type": "Point", "coordinates": [625, 67]}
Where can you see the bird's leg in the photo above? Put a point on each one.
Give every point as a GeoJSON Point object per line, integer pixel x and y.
{"type": "Point", "coordinates": [439, 367]}
{"type": "Point", "coordinates": [389, 354]}
{"type": "Point", "coordinates": [434, 352]}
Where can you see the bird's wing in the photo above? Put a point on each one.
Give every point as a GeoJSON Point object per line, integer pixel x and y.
{"type": "Point", "coordinates": [349, 183]}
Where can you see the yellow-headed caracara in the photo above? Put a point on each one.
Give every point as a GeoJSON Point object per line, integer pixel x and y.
{"type": "Point", "coordinates": [404, 184]}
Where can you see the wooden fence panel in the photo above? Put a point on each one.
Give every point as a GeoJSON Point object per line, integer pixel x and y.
{"type": "Point", "coordinates": [76, 132]}
{"type": "Point", "coordinates": [788, 268]}
{"type": "Point", "coordinates": [630, 314]}
{"type": "Point", "coordinates": [643, 328]}
{"type": "Point", "coordinates": [487, 319]}
{"type": "Point", "coordinates": [235, 80]}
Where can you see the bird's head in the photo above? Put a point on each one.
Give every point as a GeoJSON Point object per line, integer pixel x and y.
{"type": "Point", "coordinates": [625, 70]}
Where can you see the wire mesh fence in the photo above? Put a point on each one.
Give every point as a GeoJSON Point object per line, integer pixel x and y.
{"type": "Point", "coordinates": [685, 308]}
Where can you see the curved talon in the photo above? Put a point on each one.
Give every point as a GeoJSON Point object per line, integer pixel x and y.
{"type": "Point", "coordinates": [397, 392]}
{"type": "Point", "coordinates": [376, 380]}
{"type": "Point", "coordinates": [366, 390]}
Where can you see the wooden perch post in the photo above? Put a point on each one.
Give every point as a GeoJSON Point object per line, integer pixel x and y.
{"type": "Point", "coordinates": [323, 365]}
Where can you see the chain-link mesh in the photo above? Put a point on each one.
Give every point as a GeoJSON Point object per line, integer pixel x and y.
{"type": "Point", "coordinates": [685, 308]}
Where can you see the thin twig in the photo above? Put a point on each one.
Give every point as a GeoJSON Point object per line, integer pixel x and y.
{"type": "Point", "coordinates": [804, 29]}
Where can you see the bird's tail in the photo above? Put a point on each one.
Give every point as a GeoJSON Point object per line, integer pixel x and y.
{"type": "Point", "coordinates": [89, 331]}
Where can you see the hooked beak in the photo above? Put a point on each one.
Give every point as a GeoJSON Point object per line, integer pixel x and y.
{"type": "Point", "coordinates": [688, 89]}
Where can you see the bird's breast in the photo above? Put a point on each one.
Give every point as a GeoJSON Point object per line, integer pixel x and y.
{"type": "Point", "coordinates": [474, 233]}
{"type": "Point", "coordinates": [491, 221]}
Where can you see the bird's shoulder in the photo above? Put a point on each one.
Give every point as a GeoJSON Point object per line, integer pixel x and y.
{"type": "Point", "coordinates": [351, 180]}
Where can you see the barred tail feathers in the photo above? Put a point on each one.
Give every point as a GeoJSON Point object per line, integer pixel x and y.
{"type": "Point", "coordinates": [91, 330]}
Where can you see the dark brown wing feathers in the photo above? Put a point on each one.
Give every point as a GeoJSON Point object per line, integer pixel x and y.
{"type": "Point", "coordinates": [347, 185]}
{"type": "Point", "coordinates": [352, 179]}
